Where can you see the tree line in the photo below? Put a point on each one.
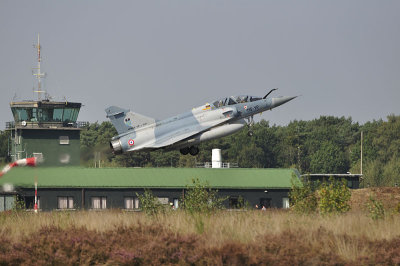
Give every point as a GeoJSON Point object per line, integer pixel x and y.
{"type": "Point", "coordinates": [324, 145]}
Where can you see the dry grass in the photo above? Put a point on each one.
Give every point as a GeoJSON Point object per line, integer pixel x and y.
{"type": "Point", "coordinates": [243, 226]}
{"type": "Point", "coordinates": [273, 237]}
{"type": "Point", "coordinates": [249, 236]}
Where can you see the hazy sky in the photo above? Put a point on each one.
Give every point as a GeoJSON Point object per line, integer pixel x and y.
{"type": "Point", "coordinates": [161, 58]}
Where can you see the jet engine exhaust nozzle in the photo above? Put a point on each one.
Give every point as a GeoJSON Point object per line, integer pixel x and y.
{"type": "Point", "coordinates": [116, 146]}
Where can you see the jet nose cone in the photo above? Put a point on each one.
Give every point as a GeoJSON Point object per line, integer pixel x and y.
{"type": "Point", "coordinates": [276, 101]}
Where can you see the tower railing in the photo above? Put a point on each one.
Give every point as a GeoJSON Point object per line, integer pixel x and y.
{"type": "Point", "coordinates": [209, 165]}
{"type": "Point", "coordinates": [33, 125]}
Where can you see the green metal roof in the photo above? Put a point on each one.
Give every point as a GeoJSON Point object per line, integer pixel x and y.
{"type": "Point", "coordinates": [77, 177]}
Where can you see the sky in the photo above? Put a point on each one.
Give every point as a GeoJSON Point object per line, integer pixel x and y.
{"type": "Point", "coordinates": [162, 58]}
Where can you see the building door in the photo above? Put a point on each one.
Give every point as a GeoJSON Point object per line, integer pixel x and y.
{"type": "Point", "coordinates": [266, 202]}
{"type": "Point", "coordinates": [234, 203]}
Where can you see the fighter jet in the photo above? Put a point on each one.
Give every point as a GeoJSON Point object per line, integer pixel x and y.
{"type": "Point", "coordinates": [186, 131]}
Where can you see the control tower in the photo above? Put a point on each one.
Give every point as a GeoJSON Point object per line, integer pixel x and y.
{"type": "Point", "coordinates": [45, 129]}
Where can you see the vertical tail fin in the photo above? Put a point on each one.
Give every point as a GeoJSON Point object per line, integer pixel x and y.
{"type": "Point", "coordinates": [117, 116]}
{"type": "Point", "coordinates": [124, 120]}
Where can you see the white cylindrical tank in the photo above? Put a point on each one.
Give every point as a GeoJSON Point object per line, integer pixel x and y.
{"type": "Point", "coordinates": [216, 158]}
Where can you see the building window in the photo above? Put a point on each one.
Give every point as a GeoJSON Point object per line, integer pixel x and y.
{"type": "Point", "coordinates": [136, 203]}
{"type": "Point", "coordinates": [285, 203]}
{"type": "Point", "coordinates": [64, 140]}
{"type": "Point", "coordinates": [65, 202]}
{"type": "Point", "coordinates": [99, 202]}
{"type": "Point", "coordinates": [6, 202]}
{"type": "Point", "coordinates": [163, 201]}
{"type": "Point", "coordinates": [131, 203]}
{"type": "Point", "coordinates": [128, 202]}
{"type": "Point", "coordinates": [176, 204]}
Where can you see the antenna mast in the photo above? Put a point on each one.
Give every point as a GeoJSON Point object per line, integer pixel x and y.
{"type": "Point", "coordinates": [38, 74]}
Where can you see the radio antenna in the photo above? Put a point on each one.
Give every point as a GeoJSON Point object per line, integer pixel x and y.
{"type": "Point", "coordinates": [39, 75]}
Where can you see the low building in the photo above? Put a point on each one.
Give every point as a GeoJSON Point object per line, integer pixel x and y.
{"type": "Point", "coordinates": [353, 180]}
{"type": "Point", "coordinates": [105, 188]}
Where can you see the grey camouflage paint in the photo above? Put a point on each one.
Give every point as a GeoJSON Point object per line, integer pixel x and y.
{"type": "Point", "coordinates": [206, 122]}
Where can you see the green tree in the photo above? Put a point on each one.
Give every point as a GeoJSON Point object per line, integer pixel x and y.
{"type": "Point", "coordinates": [391, 172]}
{"type": "Point", "coordinates": [291, 140]}
{"type": "Point", "coordinates": [265, 139]}
{"type": "Point", "coordinates": [4, 145]}
{"type": "Point", "coordinates": [251, 156]}
{"type": "Point", "coordinates": [381, 145]}
{"type": "Point", "coordinates": [387, 139]}
{"type": "Point", "coordinates": [329, 159]}
{"type": "Point", "coordinates": [165, 159]}
{"type": "Point", "coordinates": [95, 138]}
{"type": "Point", "coordinates": [133, 159]}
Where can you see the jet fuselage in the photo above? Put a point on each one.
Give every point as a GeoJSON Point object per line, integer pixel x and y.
{"type": "Point", "coordinates": [187, 130]}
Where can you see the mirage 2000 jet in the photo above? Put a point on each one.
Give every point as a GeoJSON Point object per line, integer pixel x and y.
{"type": "Point", "coordinates": [185, 131]}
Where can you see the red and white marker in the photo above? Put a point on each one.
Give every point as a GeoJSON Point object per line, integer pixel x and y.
{"type": "Point", "coordinates": [22, 162]}
{"type": "Point", "coordinates": [36, 205]}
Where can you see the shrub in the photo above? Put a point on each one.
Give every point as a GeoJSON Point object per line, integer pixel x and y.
{"type": "Point", "coordinates": [199, 197]}
{"type": "Point", "coordinates": [19, 203]}
{"type": "Point", "coordinates": [375, 208]}
{"type": "Point", "coordinates": [243, 204]}
{"type": "Point", "coordinates": [334, 196]}
{"type": "Point", "coordinates": [397, 208]}
{"type": "Point", "coordinates": [302, 198]}
{"type": "Point", "coordinates": [149, 203]}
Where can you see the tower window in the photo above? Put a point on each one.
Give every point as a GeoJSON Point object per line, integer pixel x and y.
{"type": "Point", "coordinates": [64, 140]}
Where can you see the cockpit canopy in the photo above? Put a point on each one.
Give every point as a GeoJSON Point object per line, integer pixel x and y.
{"type": "Point", "coordinates": [235, 100]}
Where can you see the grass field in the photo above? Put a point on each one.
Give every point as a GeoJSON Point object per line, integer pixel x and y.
{"type": "Point", "coordinates": [226, 237]}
